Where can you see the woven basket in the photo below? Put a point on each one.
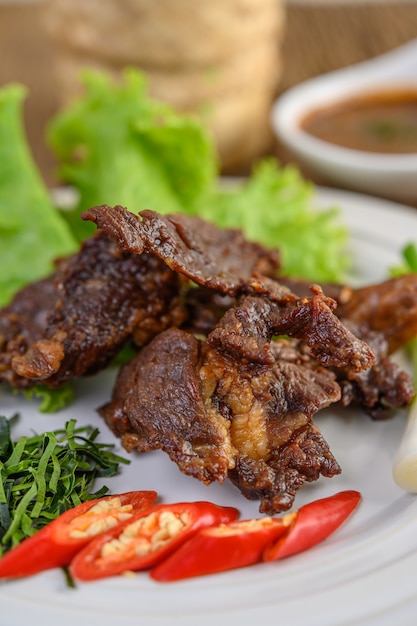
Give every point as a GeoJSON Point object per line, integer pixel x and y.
{"type": "Point", "coordinates": [219, 60]}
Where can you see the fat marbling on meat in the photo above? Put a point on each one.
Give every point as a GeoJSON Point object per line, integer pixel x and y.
{"type": "Point", "coordinates": [239, 405]}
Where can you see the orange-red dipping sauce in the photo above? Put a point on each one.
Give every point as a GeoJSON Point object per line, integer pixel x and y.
{"type": "Point", "coordinates": [384, 122]}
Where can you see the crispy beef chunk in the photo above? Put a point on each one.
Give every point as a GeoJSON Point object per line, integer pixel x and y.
{"type": "Point", "coordinates": [103, 298]}
{"type": "Point", "coordinates": [216, 258]}
{"type": "Point", "coordinates": [339, 293]}
{"type": "Point", "coordinates": [205, 307]}
{"type": "Point", "coordinates": [109, 294]}
{"type": "Point", "coordinates": [274, 310]}
{"type": "Point", "coordinates": [216, 420]}
{"type": "Point", "coordinates": [239, 404]}
{"type": "Point", "coordinates": [22, 323]}
{"type": "Point", "coordinates": [389, 307]}
{"type": "Point", "coordinates": [385, 316]}
{"type": "Point", "coordinates": [383, 387]}
{"type": "Point", "coordinates": [158, 404]}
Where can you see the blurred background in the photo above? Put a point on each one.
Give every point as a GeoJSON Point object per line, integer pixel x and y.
{"type": "Point", "coordinates": [226, 60]}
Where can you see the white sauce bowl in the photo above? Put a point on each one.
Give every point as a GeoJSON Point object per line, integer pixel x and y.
{"type": "Point", "coordinates": [388, 175]}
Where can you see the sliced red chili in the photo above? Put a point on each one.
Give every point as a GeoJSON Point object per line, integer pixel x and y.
{"type": "Point", "coordinates": [57, 542]}
{"type": "Point", "coordinates": [146, 538]}
{"type": "Point", "coordinates": [313, 523]}
{"type": "Point", "coordinates": [221, 548]}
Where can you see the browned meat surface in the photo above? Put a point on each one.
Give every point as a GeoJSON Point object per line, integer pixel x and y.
{"type": "Point", "coordinates": [239, 404]}
{"type": "Point", "coordinates": [381, 388]}
{"type": "Point", "coordinates": [22, 323]}
{"type": "Point", "coordinates": [216, 258]}
{"type": "Point", "coordinates": [106, 296]}
{"type": "Point", "coordinates": [205, 307]}
{"type": "Point", "coordinates": [389, 307]}
{"type": "Point", "coordinates": [218, 420]}
{"type": "Point", "coordinates": [103, 298]}
{"type": "Point", "coordinates": [158, 403]}
{"type": "Point", "coordinates": [273, 310]}
{"type": "Point", "coordinates": [385, 316]}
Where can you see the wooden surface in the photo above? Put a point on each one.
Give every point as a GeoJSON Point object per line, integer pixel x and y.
{"type": "Point", "coordinates": [26, 57]}
{"type": "Point", "coordinates": [324, 36]}
{"type": "Point", "coordinates": [319, 37]}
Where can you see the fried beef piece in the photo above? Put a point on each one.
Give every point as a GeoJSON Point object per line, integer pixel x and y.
{"type": "Point", "coordinates": [22, 323]}
{"type": "Point", "coordinates": [389, 307]}
{"type": "Point", "coordinates": [216, 420]}
{"type": "Point", "coordinates": [223, 260]}
{"type": "Point", "coordinates": [274, 310]}
{"type": "Point", "coordinates": [239, 404]}
{"type": "Point", "coordinates": [383, 387]}
{"type": "Point", "coordinates": [103, 298]}
{"type": "Point", "coordinates": [205, 308]}
{"type": "Point", "coordinates": [158, 404]}
{"type": "Point", "coordinates": [130, 285]}
{"type": "Point", "coordinates": [216, 258]}
{"type": "Point", "coordinates": [385, 316]}
{"type": "Point", "coordinates": [270, 408]}
{"type": "Point", "coordinates": [339, 293]}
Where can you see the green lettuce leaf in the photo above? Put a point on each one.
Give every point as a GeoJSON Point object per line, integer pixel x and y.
{"type": "Point", "coordinates": [51, 399]}
{"type": "Point", "coordinates": [32, 232]}
{"type": "Point", "coordinates": [409, 261]}
{"type": "Point", "coordinates": [275, 206]}
{"type": "Point", "coordinates": [116, 145]}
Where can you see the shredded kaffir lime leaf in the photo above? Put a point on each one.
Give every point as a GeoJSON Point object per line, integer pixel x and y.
{"type": "Point", "coordinates": [44, 475]}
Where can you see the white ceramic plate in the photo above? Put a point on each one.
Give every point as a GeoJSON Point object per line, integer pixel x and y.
{"type": "Point", "coordinates": [364, 574]}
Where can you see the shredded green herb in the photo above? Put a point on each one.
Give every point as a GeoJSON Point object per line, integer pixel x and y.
{"type": "Point", "coordinates": [44, 475]}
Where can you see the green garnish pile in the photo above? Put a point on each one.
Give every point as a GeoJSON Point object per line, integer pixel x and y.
{"type": "Point", "coordinates": [44, 475]}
